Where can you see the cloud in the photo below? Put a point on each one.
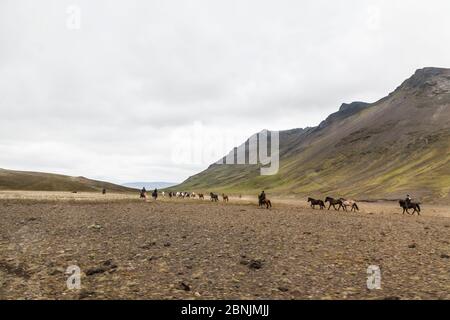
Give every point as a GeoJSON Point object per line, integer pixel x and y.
{"type": "Point", "coordinates": [105, 100]}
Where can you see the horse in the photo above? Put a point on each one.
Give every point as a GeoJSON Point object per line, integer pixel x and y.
{"type": "Point", "coordinates": [411, 205]}
{"type": "Point", "coordinates": [265, 202]}
{"type": "Point", "coordinates": [214, 197]}
{"type": "Point", "coordinates": [349, 203]}
{"type": "Point", "coordinates": [225, 197]}
{"type": "Point", "coordinates": [315, 203]}
{"type": "Point", "coordinates": [155, 194]}
{"type": "Point", "coordinates": [334, 203]}
{"type": "Point", "coordinates": [163, 194]}
{"type": "Point", "coordinates": [201, 196]}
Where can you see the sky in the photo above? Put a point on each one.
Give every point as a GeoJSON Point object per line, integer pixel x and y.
{"type": "Point", "coordinates": [157, 90]}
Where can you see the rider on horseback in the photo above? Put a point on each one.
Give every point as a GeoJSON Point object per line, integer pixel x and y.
{"type": "Point", "coordinates": [143, 193]}
{"type": "Point", "coordinates": [262, 197]}
{"type": "Point", "coordinates": [408, 200]}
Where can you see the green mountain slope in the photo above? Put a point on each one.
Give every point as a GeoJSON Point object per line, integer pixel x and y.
{"type": "Point", "coordinates": [398, 145]}
{"type": "Point", "coordinates": [38, 181]}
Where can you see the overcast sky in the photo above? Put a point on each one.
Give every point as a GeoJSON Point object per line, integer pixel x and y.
{"type": "Point", "coordinates": [124, 90]}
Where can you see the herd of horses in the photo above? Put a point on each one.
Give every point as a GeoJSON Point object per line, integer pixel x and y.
{"type": "Point", "coordinates": [192, 195]}
{"type": "Point", "coordinates": [345, 204]}
{"type": "Point", "coordinates": [337, 204]}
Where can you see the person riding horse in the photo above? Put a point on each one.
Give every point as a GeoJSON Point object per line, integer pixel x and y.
{"type": "Point", "coordinates": [143, 193]}
{"type": "Point", "coordinates": [262, 198]}
{"type": "Point", "coordinates": [263, 201]}
{"type": "Point", "coordinates": [409, 204]}
{"type": "Point", "coordinates": [408, 200]}
{"type": "Point", "coordinates": [155, 194]}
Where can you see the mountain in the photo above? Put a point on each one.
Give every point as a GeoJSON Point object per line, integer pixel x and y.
{"type": "Point", "coordinates": [383, 150]}
{"type": "Point", "coordinates": [39, 181]}
{"type": "Point", "coordinates": [149, 185]}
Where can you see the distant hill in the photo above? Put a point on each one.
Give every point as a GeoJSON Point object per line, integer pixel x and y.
{"type": "Point", "coordinates": [149, 185]}
{"type": "Point", "coordinates": [39, 181]}
{"type": "Point", "coordinates": [383, 150]}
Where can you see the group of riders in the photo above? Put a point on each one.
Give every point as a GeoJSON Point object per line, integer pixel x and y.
{"type": "Point", "coordinates": [263, 201]}
{"type": "Point", "coordinates": [143, 193]}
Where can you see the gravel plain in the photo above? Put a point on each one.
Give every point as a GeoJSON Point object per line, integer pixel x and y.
{"type": "Point", "coordinates": [191, 249]}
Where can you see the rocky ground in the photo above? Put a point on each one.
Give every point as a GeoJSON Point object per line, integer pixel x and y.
{"type": "Point", "coordinates": [188, 249]}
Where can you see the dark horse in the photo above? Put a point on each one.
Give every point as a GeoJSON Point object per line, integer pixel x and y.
{"type": "Point", "coordinates": [265, 202]}
{"type": "Point", "coordinates": [155, 194]}
{"type": "Point", "coordinates": [214, 197]}
{"type": "Point", "coordinates": [225, 197]}
{"type": "Point", "coordinates": [201, 196]}
{"type": "Point", "coordinates": [411, 205]}
{"type": "Point", "coordinates": [334, 203]}
{"type": "Point", "coordinates": [315, 203]}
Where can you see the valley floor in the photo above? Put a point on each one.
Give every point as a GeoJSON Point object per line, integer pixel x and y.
{"type": "Point", "coordinates": [189, 249]}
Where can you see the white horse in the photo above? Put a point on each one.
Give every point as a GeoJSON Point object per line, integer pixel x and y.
{"type": "Point", "coordinates": [163, 194]}
{"type": "Point", "coordinates": [349, 203]}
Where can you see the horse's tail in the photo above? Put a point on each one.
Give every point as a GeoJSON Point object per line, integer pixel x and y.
{"type": "Point", "coordinates": [270, 203]}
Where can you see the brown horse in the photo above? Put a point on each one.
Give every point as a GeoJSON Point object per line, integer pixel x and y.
{"type": "Point", "coordinates": [214, 197]}
{"type": "Point", "coordinates": [315, 203]}
{"type": "Point", "coordinates": [225, 197]}
{"type": "Point", "coordinates": [201, 196]}
{"type": "Point", "coordinates": [265, 202]}
{"type": "Point", "coordinates": [334, 203]}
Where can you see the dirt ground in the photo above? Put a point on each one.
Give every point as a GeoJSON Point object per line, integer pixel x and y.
{"type": "Point", "coordinates": [191, 249]}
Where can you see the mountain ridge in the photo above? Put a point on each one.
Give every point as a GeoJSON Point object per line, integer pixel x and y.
{"type": "Point", "coordinates": [384, 149]}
